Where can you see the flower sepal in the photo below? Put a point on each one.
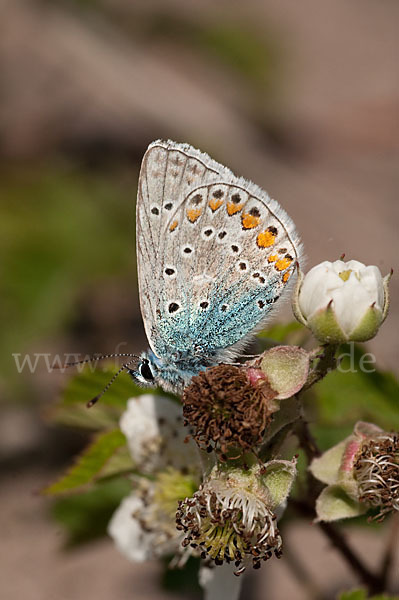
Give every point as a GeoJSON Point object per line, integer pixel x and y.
{"type": "Point", "coordinates": [278, 477]}
{"type": "Point", "coordinates": [284, 369]}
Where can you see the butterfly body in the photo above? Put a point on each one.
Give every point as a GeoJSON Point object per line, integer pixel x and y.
{"type": "Point", "coordinates": [214, 254]}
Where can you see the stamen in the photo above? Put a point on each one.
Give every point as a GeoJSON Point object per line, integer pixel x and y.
{"type": "Point", "coordinates": [377, 473]}
{"type": "Point", "coordinates": [236, 524]}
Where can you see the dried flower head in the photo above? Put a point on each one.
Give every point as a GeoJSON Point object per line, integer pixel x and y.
{"type": "Point", "coordinates": [230, 518]}
{"type": "Point", "coordinates": [376, 471]}
{"type": "Point", "coordinates": [225, 410]}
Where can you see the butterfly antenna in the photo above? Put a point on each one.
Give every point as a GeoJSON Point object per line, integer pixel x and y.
{"type": "Point", "coordinates": [95, 358]}
{"type": "Point", "coordinates": [94, 400]}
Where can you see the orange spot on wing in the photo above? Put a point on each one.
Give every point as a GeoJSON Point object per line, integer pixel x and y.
{"type": "Point", "coordinates": [283, 263]}
{"type": "Point", "coordinates": [265, 239]}
{"type": "Point", "coordinates": [173, 225]}
{"type": "Point", "coordinates": [272, 257]}
{"type": "Point", "coordinates": [249, 221]}
{"type": "Point", "coordinates": [214, 204]}
{"type": "Point", "coordinates": [193, 214]}
{"type": "Point", "coordinates": [286, 276]}
{"type": "Point", "coordinates": [233, 208]}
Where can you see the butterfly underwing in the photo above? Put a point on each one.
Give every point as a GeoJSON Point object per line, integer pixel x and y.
{"type": "Point", "coordinates": [214, 254]}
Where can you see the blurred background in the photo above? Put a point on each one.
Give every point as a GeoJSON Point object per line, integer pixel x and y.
{"type": "Point", "coordinates": [300, 97]}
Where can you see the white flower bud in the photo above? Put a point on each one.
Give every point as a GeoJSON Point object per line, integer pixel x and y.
{"type": "Point", "coordinates": [342, 301]}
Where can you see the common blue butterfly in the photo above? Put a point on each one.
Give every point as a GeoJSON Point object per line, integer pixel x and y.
{"type": "Point", "coordinates": [214, 253]}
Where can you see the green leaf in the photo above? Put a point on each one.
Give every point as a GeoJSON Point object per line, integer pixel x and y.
{"type": "Point", "coordinates": [73, 411]}
{"type": "Point", "coordinates": [85, 516]}
{"type": "Point", "coordinates": [88, 464]}
{"type": "Point", "coordinates": [120, 463]}
{"type": "Point", "coordinates": [84, 386]}
{"type": "Point", "coordinates": [351, 394]}
{"type": "Point", "coordinates": [87, 384]}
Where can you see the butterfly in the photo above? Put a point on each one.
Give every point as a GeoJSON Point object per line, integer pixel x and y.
{"type": "Point", "coordinates": [214, 254]}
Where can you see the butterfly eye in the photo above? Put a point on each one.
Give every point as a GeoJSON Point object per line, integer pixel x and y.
{"type": "Point", "coordinates": [145, 370]}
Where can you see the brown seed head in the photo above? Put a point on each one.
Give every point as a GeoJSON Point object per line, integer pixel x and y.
{"type": "Point", "coordinates": [225, 411]}
{"type": "Point", "coordinates": [377, 473]}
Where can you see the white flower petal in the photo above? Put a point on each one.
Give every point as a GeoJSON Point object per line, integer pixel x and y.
{"type": "Point", "coordinates": [350, 303]}
{"type": "Point", "coordinates": [372, 281]}
{"type": "Point", "coordinates": [314, 293]}
{"type": "Point", "coordinates": [153, 426]}
{"type": "Point", "coordinates": [353, 265]}
{"type": "Point", "coordinates": [126, 531]}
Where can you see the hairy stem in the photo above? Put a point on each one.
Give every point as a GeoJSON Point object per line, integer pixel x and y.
{"type": "Point", "coordinates": [324, 361]}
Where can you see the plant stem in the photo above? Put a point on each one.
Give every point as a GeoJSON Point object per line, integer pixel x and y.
{"type": "Point", "coordinates": [339, 542]}
{"type": "Point", "coordinates": [389, 554]}
{"type": "Point", "coordinates": [306, 440]}
{"type": "Point", "coordinates": [325, 362]}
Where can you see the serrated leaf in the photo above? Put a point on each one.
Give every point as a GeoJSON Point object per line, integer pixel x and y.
{"type": "Point", "coordinates": [120, 463]}
{"type": "Point", "coordinates": [88, 464]}
{"type": "Point", "coordinates": [84, 386]}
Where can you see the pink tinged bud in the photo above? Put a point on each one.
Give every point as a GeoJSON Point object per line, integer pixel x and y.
{"type": "Point", "coordinates": [364, 429]}
{"type": "Point", "coordinates": [338, 467]}
{"type": "Point", "coordinates": [348, 459]}
{"type": "Point", "coordinates": [255, 376]}
{"type": "Point", "coordinates": [286, 368]}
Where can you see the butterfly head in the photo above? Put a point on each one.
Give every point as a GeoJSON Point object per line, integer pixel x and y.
{"type": "Point", "coordinates": [171, 375]}
{"type": "Point", "coordinates": [145, 372]}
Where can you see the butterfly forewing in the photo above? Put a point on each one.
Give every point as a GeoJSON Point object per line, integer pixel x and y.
{"type": "Point", "coordinates": [213, 257]}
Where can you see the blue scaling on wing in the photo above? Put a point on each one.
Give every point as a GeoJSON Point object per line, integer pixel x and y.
{"type": "Point", "coordinates": [213, 329]}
